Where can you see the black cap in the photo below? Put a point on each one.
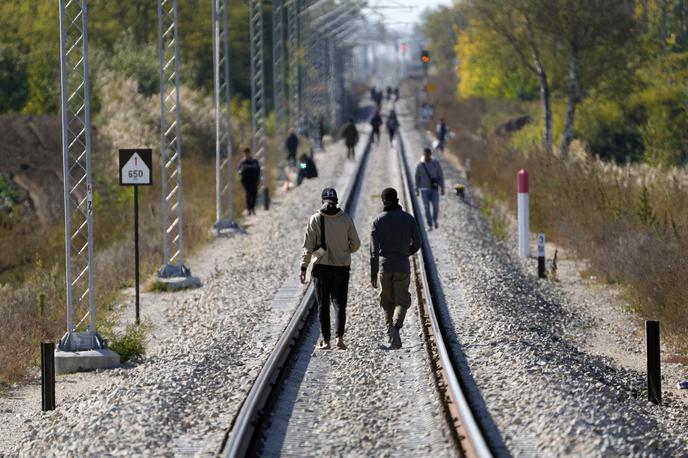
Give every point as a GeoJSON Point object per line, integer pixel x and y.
{"type": "Point", "coordinates": [389, 195]}
{"type": "Point", "coordinates": [329, 194]}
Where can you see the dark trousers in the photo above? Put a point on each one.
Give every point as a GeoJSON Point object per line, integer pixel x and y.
{"type": "Point", "coordinates": [251, 190]}
{"type": "Point", "coordinates": [350, 151]}
{"type": "Point", "coordinates": [391, 134]}
{"type": "Point", "coordinates": [291, 157]}
{"type": "Point", "coordinates": [331, 286]}
{"type": "Point", "coordinates": [376, 134]}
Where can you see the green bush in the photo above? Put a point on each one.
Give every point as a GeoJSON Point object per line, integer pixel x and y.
{"type": "Point", "coordinates": [131, 344]}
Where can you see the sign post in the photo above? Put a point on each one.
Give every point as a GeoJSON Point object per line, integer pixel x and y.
{"type": "Point", "coordinates": [135, 167]}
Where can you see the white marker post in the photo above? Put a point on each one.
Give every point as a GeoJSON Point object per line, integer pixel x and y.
{"type": "Point", "coordinates": [541, 255]}
{"type": "Point", "coordinates": [523, 215]}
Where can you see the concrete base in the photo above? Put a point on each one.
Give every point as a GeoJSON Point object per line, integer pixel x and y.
{"type": "Point", "coordinates": [79, 361]}
{"type": "Point", "coordinates": [226, 228]}
{"type": "Point", "coordinates": [177, 283]}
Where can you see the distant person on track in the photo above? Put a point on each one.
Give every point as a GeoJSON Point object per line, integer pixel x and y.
{"type": "Point", "coordinates": [375, 123]}
{"type": "Point", "coordinates": [249, 171]}
{"type": "Point", "coordinates": [292, 145]}
{"type": "Point", "coordinates": [429, 183]}
{"type": "Point", "coordinates": [350, 135]}
{"type": "Point", "coordinates": [331, 237]}
{"type": "Point", "coordinates": [307, 169]}
{"type": "Point", "coordinates": [393, 238]}
{"type": "Point", "coordinates": [392, 125]}
{"type": "Point", "coordinates": [441, 132]}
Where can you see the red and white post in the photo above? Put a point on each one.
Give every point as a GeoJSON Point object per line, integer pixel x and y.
{"type": "Point", "coordinates": [523, 215]}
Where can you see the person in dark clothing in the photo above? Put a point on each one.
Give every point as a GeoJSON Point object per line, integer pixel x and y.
{"type": "Point", "coordinates": [307, 169]}
{"type": "Point", "coordinates": [389, 93]}
{"type": "Point", "coordinates": [396, 93]}
{"type": "Point", "coordinates": [331, 237]}
{"type": "Point", "coordinates": [249, 171]}
{"type": "Point", "coordinates": [393, 238]}
{"type": "Point", "coordinates": [350, 135]}
{"type": "Point", "coordinates": [441, 133]}
{"type": "Point", "coordinates": [292, 145]}
{"type": "Point", "coordinates": [378, 100]}
{"type": "Point", "coordinates": [392, 125]}
{"type": "Point", "coordinates": [376, 122]}
{"type": "Point", "coordinates": [321, 132]}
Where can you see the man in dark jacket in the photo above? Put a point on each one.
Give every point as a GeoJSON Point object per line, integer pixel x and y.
{"type": "Point", "coordinates": [350, 135]}
{"type": "Point", "coordinates": [394, 237]}
{"type": "Point", "coordinates": [376, 122]}
{"type": "Point", "coordinates": [307, 169]}
{"type": "Point", "coordinates": [392, 124]}
{"type": "Point", "coordinates": [441, 132]}
{"type": "Point", "coordinates": [292, 145]}
{"type": "Point", "coordinates": [249, 171]}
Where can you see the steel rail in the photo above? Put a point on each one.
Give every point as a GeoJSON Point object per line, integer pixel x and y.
{"type": "Point", "coordinates": [238, 437]}
{"type": "Point", "coordinates": [470, 434]}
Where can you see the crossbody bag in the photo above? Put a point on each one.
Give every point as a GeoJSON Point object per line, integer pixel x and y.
{"type": "Point", "coordinates": [434, 182]}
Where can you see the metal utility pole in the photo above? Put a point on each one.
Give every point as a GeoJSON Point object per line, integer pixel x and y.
{"type": "Point", "coordinates": [292, 50]}
{"type": "Point", "coordinates": [257, 78]}
{"type": "Point", "coordinates": [170, 144]}
{"type": "Point", "coordinates": [223, 120]}
{"type": "Point", "coordinates": [278, 69]}
{"type": "Point", "coordinates": [78, 187]}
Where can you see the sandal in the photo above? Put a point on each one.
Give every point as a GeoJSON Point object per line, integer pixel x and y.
{"type": "Point", "coordinates": [340, 344]}
{"type": "Point", "coordinates": [324, 345]}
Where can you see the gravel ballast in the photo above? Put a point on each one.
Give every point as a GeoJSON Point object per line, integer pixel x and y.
{"type": "Point", "coordinates": [545, 393]}
{"type": "Point", "coordinates": [209, 345]}
{"type": "Point", "coordinates": [366, 400]}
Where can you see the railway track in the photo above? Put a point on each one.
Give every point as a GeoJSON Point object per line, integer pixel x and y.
{"type": "Point", "coordinates": [245, 434]}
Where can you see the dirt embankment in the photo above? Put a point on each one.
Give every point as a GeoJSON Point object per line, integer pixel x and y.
{"type": "Point", "coordinates": [31, 162]}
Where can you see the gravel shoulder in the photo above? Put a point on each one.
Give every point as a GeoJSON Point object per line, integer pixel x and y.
{"type": "Point", "coordinates": [207, 347]}
{"type": "Point", "coordinates": [527, 345]}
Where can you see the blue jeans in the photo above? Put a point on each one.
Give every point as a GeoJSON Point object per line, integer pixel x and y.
{"type": "Point", "coordinates": [430, 197]}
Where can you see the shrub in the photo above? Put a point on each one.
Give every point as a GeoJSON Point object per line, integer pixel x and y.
{"type": "Point", "coordinates": [131, 344]}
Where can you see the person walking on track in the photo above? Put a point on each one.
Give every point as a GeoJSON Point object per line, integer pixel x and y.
{"type": "Point", "coordinates": [249, 171]}
{"type": "Point", "coordinates": [331, 237]}
{"type": "Point", "coordinates": [441, 132]}
{"type": "Point", "coordinates": [429, 183]}
{"type": "Point", "coordinates": [292, 145]}
{"type": "Point", "coordinates": [393, 238]}
{"type": "Point", "coordinates": [350, 135]}
{"type": "Point", "coordinates": [392, 124]}
{"type": "Point", "coordinates": [376, 122]}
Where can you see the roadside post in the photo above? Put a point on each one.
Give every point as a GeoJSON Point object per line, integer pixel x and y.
{"type": "Point", "coordinates": [47, 376]}
{"type": "Point", "coordinates": [135, 167]}
{"type": "Point", "coordinates": [541, 255]}
{"type": "Point", "coordinates": [523, 215]}
{"type": "Point", "coordinates": [654, 374]}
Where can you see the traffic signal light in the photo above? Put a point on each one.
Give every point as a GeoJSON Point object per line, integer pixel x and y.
{"type": "Point", "coordinates": [425, 56]}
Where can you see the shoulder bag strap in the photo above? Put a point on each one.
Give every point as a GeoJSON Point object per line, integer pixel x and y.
{"type": "Point", "coordinates": [427, 172]}
{"type": "Point", "coordinates": [322, 233]}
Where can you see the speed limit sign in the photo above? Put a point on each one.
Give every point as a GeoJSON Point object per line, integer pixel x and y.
{"type": "Point", "coordinates": [135, 167]}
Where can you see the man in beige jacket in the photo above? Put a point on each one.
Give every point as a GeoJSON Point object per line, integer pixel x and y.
{"type": "Point", "coordinates": [331, 237]}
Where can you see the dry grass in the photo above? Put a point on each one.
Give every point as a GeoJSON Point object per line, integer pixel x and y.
{"type": "Point", "coordinates": [32, 291]}
{"type": "Point", "coordinates": [630, 222]}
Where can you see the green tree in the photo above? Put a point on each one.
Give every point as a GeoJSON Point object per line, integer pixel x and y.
{"type": "Point", "coordinates": [440, 27]}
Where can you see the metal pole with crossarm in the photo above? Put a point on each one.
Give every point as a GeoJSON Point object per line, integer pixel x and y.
{"type": "Point", "coordinates": [224, 223]}
{"type": "Point", "coordinates": [78, 185]}
{"type": "Point", "coordinates": [293, 61]}
{"type": "Point", "coordinates": [278, 69]}
{"type": "Point", "coordinates": [257, 78]}
{"type": "Point", "coordinates": [170, 144]}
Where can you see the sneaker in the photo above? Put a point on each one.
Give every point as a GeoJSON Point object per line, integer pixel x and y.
{"type": "Point", "coordinates": [324, 345]}
{"type": "Point", "coordinates": [340, 344]}
{"type": "Point", "coordinates": [436, 225]}
{"type": "Point", "coordinates": [430, 228]}
{"type": "Point", "coordinates": [682, 385]}
{"type": "Point", "coordinates": [396, 338]}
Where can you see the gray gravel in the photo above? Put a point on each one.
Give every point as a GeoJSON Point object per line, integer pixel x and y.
{"type": "Point", "coordinates": [547, 395]}
{"type": "Point", "coordinates": [366, 400]}
{"type": "Point", "coordinates": [181, 399]}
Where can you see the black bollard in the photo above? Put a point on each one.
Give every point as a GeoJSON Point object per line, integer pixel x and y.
{"type": "Point", "coordinates": [266, 198]}
{"type": "Point", "coordinates": [654, 373]}
{"type": "Point", "coordinates": [48, 375]}
{"type": "Point", "coordinates": [541, 255]}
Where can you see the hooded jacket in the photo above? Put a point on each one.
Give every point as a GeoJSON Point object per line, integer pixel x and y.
{"type": "Point", "coordinates": [341, 238]}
